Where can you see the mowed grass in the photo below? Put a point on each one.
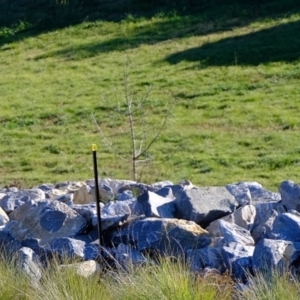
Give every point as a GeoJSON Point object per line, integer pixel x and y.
{"type": "Point", "coordinates": [232, 80]}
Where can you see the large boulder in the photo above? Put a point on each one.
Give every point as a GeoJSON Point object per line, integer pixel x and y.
{"type": "Point", "coordinates": [165, 192]}
{"type": "Point", "coordinates": [3, 217]}
{"type": "Point", "coordinates": [126, 195]}
{"type": "Point", "coordinates": [84, 195]}
{"type": "Point", "coordinates": [264, 225]}
{"type": "Point", "coordinates": [233, 233]}
{"type": "Point", "coordinates": [270, 254]}
{"type": "Point", "coordinates": [92, 251]}
{"type": "Point", "coordinates": [127, 256]}
{"type": "Point", "coordinates": [115, 213]}
{"type": "Point", "coordinates": [153, 205]}
{"type": "Point", "coordinates": [109, 222]}
{"type": "Point", "coordinates": [8, 244]}
{"type": "Point", "coordinates": [241, 192]}
{"type": "Point", "coordinates": [67, 247]}
{"type": "Point", "coordinates": [290, 194]}
{"type": "Point", "coordinates": [238, 259]}
{"type": "Point", "coordinates": [260, 194]}
{"type": "Point", "coordinates": [171, 236]}
{"type": "Point", "coordinates": [13, 200]}
{"type": "Point", "coordinates": [286, 227]}
{"type": "Point", "coordinates": [88, 211]}
{"type": "Point", "coordinates": [252, 193]}
{"type": "Point", "coordinates": [109, 190]}
{"type": "Point", "coordinates": [204, 205]}
{"type": "Point", "coordinates": [243, 217]}
{"type": "Point", "coordinates": [28, 261]}
{"type": "Point", "coordinates": [208, 257]}
{"type": "Point", "coordinates": [46, 220]}
{"type": "Point", "coordinates": [263, 208]}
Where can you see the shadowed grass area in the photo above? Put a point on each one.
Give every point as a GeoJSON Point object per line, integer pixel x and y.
{"type": "Point", "coordinates": [275, 44]}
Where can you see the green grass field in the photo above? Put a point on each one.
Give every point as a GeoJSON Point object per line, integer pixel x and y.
{"type": "Point", "coordinates": [230, 70]}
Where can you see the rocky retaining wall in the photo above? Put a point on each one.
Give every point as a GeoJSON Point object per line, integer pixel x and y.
{"type": "Point", "coordinates": [239, 228]}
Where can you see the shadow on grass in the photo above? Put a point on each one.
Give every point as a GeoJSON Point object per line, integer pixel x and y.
{"type": "Point", "coordinates": [20, 19]}
{"type": "Point", "coordinates": [134, 37]}
{"type": "Point", "coordinates": [277, 44]}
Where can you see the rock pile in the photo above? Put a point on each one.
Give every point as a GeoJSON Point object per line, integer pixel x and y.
{"type": "Point", "coordinates": [239, 228]}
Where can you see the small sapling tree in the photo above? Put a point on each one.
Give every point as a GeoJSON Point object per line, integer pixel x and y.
{"type": "Point", "coordinates": [139, 126]}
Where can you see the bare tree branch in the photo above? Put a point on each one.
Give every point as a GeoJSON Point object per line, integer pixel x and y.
{"type": "Point", "coordinates": [142, 133]}
{"type": "Point", "coordinates": [108, 143]}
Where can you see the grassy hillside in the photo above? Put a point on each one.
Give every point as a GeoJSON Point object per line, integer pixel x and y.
{"type": "Point", "coordinates": [230, 69]}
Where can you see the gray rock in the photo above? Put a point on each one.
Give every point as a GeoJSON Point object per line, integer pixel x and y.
{"type": "Point", "coordinates": [243, 217]}
{"type": "Point", "coordinates": [86, 269]}
{"type": "Point", "coordinates": [13, 200]}
{"type": "Point", "coordinates": [109, 189]}
{"type": "Point", "coordinates": [46, 220]}
{"type": "Point", "coordinates": [136, 189]}
{"type": "Point", "coordinates": [8, 245]}
{"type": "Point", "coordinates": [67, 247]}
{"type": "Point", "coordinates": [261, 195]}
{"type": "Point", "coordinates": [165, 192]}
{"type": "Point", "coordinates": [252, 193]}
{"type": "Point", "coordinates": [65, 198]}
{"type": "Point", "coordinates": [286, 227]}
{"type": "Point", "coordinates": [290, 194]}
{"type": "Point", "coordinates": [241, 192]}
{"type": "Point", "coordinates": [28, 262]}
{"type": "Point", "coordinates": [238, 259]}
{"type": "Point", "coordinates": [22, 210]}
{"type": "Point", "coordinates": [126, 195]}
{"type": "Point", "coordinates": [208, 257]}
{"type": "Point", "coordinates": [126, 256]}
{"type": "Point", "coordinates": [183, 185]}
{"type": "Point", "coordinates": [264, 225]}
{"type": "Point", "coordinates": [109, 222]}
{"type": "Point", "coordinates": [7, 190]}
{"type": "Point", "coordinates": [263, 209]}
{"type": "Point", "coordinates": [121, 235]}
{"type": "Point", "coordinates": [204, 205]}
{"type": "Point", "coordinates": [154, 205]}
{"type": "Point", "coordinates": [113, 214]}
{"type": "Point", "coordinates": [92, 251]}
{"type": "Point", "coordinates": [63, 185]}
{"type": "Point", "coordinates": [217, 241]}
{"type": "Point", "coordinates": [3, 217]}
{"type": "Point", "coordinates": [46, 187]}
{"type": "Point", "coordinates": [44, 254]}
{"type": "Point", "coordinates": [235, 233]}
{"type": "Point", "coordinates": [84, 195]}
{"type": "Point", "coordinates": [33, 244]}
{"type": "Point", "coordinates": [170, 236]}
{"type": "Point", "coordinates": [88, 211]}
{"type": "Point", "coordinates": [270, 254]}
{"type": "Point", "coordinates": [114, 184]}
{"type": "Point", "coordinates": [106, 193]}
{"type": "Point", "coordinates": [117, 208]}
